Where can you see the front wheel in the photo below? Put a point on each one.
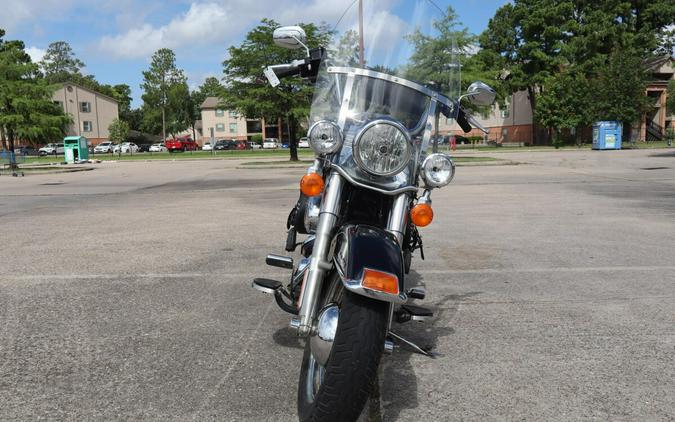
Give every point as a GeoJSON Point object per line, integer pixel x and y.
{"type": "Point", "coordinates": [339, 390]}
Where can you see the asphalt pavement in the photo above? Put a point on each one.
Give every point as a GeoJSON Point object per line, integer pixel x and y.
{"type": "Point", "coordinates": [125, 294]}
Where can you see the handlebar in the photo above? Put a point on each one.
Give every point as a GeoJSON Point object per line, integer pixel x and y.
{"type": "Point", "coordinates": [466, 121]}
{"type": "Point", "coordinates": [306, 68]}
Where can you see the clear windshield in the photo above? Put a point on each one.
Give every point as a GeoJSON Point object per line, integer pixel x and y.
{"type": "Point", "coordinates": [404, 51]}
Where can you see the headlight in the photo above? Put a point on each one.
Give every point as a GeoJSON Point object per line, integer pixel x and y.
{"type": "Point", "coordinates": [325, 137]}
{"type": "Point", "coordinates": [383, 148]}
{"type": "Point", "coordinates": [437, 170]}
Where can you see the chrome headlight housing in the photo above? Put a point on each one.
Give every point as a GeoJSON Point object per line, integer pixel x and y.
{"type": "Point", "coordinates": [383, 148]}
{"type": "Point", "coordinates": [437, 170]}
{"type": "Point", "coordinates": [325, 137]}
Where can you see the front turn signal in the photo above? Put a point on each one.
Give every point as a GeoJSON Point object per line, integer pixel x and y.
{"type": "Point", "coordinates": [311, 184]}
{"type": "Point", "coordinates": [380, 281]}
{"type": "Point", "coordinates": [422, 215]}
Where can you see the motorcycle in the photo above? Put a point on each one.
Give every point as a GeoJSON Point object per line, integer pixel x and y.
{"type": "Point", "coordinates": [374, 130]}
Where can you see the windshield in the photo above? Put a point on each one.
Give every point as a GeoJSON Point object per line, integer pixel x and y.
{"type": "Point", "coordinates": [399, 54]}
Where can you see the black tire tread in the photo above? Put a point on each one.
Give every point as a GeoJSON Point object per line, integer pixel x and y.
{"type": "Point", "coordinates": [352, 366]}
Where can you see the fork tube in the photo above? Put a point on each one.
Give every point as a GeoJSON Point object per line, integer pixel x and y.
{"type": "Point", "coordinates": [328, 216]}
{"type": "Point", "coordinates": [398, 218]}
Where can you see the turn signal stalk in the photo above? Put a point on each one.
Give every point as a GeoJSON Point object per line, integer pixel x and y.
{"type": "Point", "coordinates": [422, 215]}
{"type": "Point", "coordinates": [311, 184]}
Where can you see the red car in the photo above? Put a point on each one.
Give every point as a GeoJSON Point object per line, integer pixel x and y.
{"type": "Point", "coordinates": [184, 143]}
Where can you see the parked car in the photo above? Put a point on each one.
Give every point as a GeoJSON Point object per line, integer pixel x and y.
{"type": "Point", "coordinates": [207, 147]}
{"type": "Point", "coordinates": [285, 145]}
{"type": "Point", "coordinates": [51, 149]}
{"type": "Point", "coordinates": [239, 145]}
{"type": "Point", "coordinates": [270, 143]}
{"type": "Point", "coordinates": [184, 143]}
{"type": "Point", "coordinates": [104, 147]}
{"type": "Point", "coordinates": [158, 147]}
{"type": "Point", "coordinates": [221, 145]}
{"type": "Point", "coordinates": [25, 151]}
{"type": "Point", "coordinates": [304, 142]}
{"type": "Point", "coordinates": [253, 145]}
{"type": "Point", "coordinates": [144, 147]}
{"type": "Point", "coordinates": [129, 147]}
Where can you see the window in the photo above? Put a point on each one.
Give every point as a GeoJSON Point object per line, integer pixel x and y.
{"type": "Point", "coordinates": [220, 127]}
{"type": "Point", "coordinates": [86, 126]}
{"type": "Point", "coordinates": [233, 114]}
{"type": "Point", "coordinates": [220, 113]}
{"type": "Point", "coordinates": [85, 107]}
{"type": "Point", "coordinates": [505, 114]}
{"type": "Point", "coordinates": [233, 128]}
{"type": "Point", "coordinates": [59, 103]}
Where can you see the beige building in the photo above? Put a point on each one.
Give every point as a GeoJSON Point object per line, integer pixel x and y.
{"type": "Point", "coordinates": [92, 111]}
{"type": "Point", "coordinates": [225, 124]}
{"type": "Point", "coordinates": [512, 123]}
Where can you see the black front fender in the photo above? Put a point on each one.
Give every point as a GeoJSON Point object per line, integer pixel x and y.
{"type": "Point", "coordinates": [358, 247]}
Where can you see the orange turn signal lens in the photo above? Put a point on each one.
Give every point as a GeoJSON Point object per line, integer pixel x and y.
{"type": "Point", "coordinates": [311, 184]}
{"type": "Point", "coordinates": [380, 281]}
{"type": "Point", "coordinates": [422, 215]}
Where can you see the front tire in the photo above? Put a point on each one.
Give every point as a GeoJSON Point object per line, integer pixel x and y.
{"type": "Point", "coordinates": [339, 391]}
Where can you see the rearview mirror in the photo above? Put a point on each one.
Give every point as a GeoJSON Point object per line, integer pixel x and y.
{"type": "Point", "coordinates": [481, 94]}
{"type": "Point", "coordinates": [291, 37]}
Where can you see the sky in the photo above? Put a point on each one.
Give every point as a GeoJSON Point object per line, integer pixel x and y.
{"type": "Point", "coordinates": [115, 38]}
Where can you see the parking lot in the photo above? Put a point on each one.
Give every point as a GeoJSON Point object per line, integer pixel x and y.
{"type": "Point", "coordinates": [125, 294]}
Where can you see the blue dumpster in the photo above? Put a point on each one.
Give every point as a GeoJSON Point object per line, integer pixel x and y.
{"type": "Point", "coordinates": [607, 135]}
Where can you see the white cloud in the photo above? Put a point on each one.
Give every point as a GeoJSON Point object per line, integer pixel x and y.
{"type": "Point", "coordinates": [15, 13]}
{"type": "Point", "coordinates": [202, 23]}
{"type": "Point", "coordinates": [36, 54]}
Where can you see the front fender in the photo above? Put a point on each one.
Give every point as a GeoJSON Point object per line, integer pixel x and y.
{"type": "Point", "coordinates": [358, 247]}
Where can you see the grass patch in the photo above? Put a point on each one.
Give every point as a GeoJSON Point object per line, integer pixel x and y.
{"type": "Point", "coordinates": [188, 155]}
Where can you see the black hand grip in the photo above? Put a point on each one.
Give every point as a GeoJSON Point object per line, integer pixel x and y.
{"type": "Point", "coordinates": [288, 72]}
{"type": "Point", "coordinates": [462, 122]}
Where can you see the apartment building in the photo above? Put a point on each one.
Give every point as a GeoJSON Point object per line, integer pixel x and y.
{"type": "Point", "coordinates": [92, 112]}
{"type": "Point", "coordinates": [511, 123]}
{"type": "Point", "coordinates": [225, 124]}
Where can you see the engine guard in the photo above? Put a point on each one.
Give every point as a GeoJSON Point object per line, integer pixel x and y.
{"type": "Point", "coordinates": [360, 247]}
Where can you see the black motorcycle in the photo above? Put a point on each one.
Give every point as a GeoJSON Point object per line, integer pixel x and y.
{"type": "Point", "coordinates": [374, 130]}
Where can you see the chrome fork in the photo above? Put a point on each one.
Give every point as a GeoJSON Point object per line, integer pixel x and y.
{"type": "Point", "coordinates": [318, 265]}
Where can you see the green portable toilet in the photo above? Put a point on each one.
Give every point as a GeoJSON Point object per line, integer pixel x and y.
{"type": "Point", "coordinates": [75, 148]}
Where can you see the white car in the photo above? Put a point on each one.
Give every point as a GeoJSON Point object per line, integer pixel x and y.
{"type": "Point", "coordinates": [51, 149]}
{"type": "Point", "coordinates": [304, 143]}
{"type": "Point", "coordinates": [126, 147]}
{"type": "Point", "coordinates": [270, 143]}
{"type": "Point", "coordinates": [158, 147]}
{"type": "Point", "coordinates": [104, 147]}
{"type": "Point", "coordinates": [207, 147]}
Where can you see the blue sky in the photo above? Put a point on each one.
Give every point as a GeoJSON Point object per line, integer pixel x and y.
{"type": "Point", "coordinates": [115, 38]}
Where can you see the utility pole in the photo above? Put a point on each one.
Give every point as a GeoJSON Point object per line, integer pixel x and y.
{"type": "Point", "coordinates": [362, 60]}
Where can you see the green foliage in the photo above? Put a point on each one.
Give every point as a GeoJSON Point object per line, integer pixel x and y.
{"type": "Point", "coordinates": [210, 88]}
{"type": "Point", "coordinates": [248, 92]}
{"type": "Point", "coordinates": [27, 111]}
{"type": "Point", "coordinates": [59, 63]}
{"type": "Point", "coordinates": [579, 61]}
{"type": "Point", "coordinates": [257, 138]}
{"type": "Point", "coordinates": [118, 131]}
{"type": "Point", "coordinates": [166, 95]}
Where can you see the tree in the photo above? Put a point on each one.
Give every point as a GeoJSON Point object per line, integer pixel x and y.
{"type": "Point", "coordinates": [159, 83]}
{"type": "Point", "coordinates": [246, 90]}
{"type": "Point", "coordinates": [546, 44]}
{"type": "Point", "coordinates": [59, 63]}
{"type": "Point", "coordinates": [27, 111]}
{"type": "Point", "coordinates": [118, 132]}
{"type": "Point", "coordinates": [671, 97]}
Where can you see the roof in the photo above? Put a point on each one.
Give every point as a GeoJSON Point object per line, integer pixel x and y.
{"type": "Point", "coordinates": [90, 90]}
{"type": "Point", "coordinates": [654, 63]}
{"type": "Point", "coordinates": [210, 102]}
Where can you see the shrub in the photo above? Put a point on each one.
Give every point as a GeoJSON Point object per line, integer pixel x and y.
{"type": "Point", "coordinates": [257, 138]}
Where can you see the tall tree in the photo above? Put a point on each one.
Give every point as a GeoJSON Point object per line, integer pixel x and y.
{"type": "Point", "coordinates": [247, 91]}
{"type": "Point", "coordinates": [159, 83]}
{"type": "Point", "coordinates": [546, 44]}
{"type": "Point", "coordinates": [59, 63]}
{"type": "Point", "coordinates": [27, 111]}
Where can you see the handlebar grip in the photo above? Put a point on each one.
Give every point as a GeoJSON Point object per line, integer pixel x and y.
{"type": "Point", "coordinates": [291, 71]}
{"type": "Point", "coordinates": [463, 122]}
